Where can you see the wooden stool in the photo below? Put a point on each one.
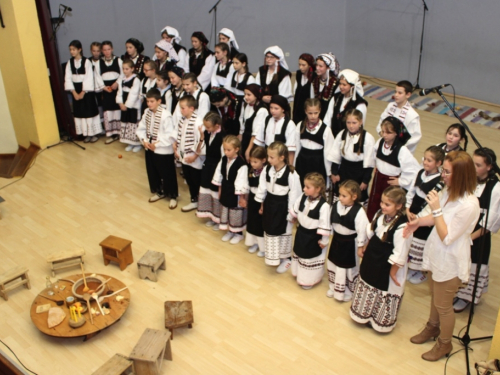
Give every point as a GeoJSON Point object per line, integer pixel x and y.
{"type": "Point", "coordinates": [8, 280]}
{"type": "Point", "coordinates": [118, 250]}
{"type": "Point", "coordinates": [149, 352]}
{"type": "Point", "coordinates": [65, 259]}
{"type": "Point", "coordinates": [178, 314]}
{"type": "Point", "coordinates": [116, 365]}
{"type": "Point", "coordinates": [149, 264]}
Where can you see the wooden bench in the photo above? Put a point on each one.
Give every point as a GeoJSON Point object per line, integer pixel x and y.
{"type": "Point", "coordinates": [150, 263]}
{"type": "Point", "coordinates": [149, 352]}
{"type": "Point", "coordinates": [118, 250]}
{"type": "Point", "coordinates": [65, 259]}
{"type": "Point", "coordinates": [9, 280]}
{"type": "Point", "coordinates": [178, 314]}
{"type": "Point", "coordinates": [116, 365]}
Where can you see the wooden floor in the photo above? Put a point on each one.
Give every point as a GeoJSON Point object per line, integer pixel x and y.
{"type": "Point", "coordinates": [248, 319]}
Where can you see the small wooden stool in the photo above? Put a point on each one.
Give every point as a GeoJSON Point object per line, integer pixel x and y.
{"type": "Point", "coordinates": [150, 263]}
{"type": "Point", "coordinates": [149, 352]}
{"type": "Point", "coordinates": [8, 280]}
{"type": "Point", "coordinates": [116, 365]}
{"type": "Point", "coordinates": [178, 314]}
{"type": "Point", "coordinates": [65, 259]}
{"type": "Point", "coordinates": [118, 250]}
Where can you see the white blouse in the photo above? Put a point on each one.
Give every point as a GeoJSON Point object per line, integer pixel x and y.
{"type": "Point", "coordinates": [360, 224]}
{"type": "Point", "coordinates": [258, 122]}
{"type": "Point", "coordinates": [367, 156]}
{"type": "Point", "coordinates": [239, 79]}
{"type": "Point", "coordinates": [322, 224]}
{"type": "Point", "coordinates": [87, 79]}
{"type": "Point", "coordinates": [328, 141]}
{"type": "Point", "coordinates": [284, 87]}
{"type": "Point", "coordinates": [240, 184]}
{"type": "Point", "coordinates": [133, 98]}
{"type": "Point", "coordinates": [274, 127]}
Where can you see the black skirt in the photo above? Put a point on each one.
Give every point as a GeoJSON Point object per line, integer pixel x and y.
{"type": "Point", "coordinates": [306, 243]}
{"type": "Point", "coordinates": [343, 251]}
{"type": "Point", "coordinates": [375, 268]}
{"type": "Point", "coordinates": [254, 222]}
{"type": "Point", "coordinates": [275, 213]}
{"type": "Point", "coordinates": [309, 161]}
{"type": "Point", "coordinates": [86, 107]}
{"type": "Point", "coordinates": [109, 98]}
{"type": "Point", "coordinates": [352, 170]}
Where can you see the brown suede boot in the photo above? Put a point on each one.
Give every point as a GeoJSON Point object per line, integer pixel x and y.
{"type": "Point", "coordinates": [439, 350]}
{"type": "Point", "coordinates": [430, 331]}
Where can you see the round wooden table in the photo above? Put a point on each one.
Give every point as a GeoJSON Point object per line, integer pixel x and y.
{"type": "Point", "coordinates": [88, 330]}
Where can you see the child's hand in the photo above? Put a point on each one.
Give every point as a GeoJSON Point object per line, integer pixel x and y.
{"type": "Point", "coordinates": [334, 178]}
{"type": "Point", "coordinates": [394, 181]}
{"type": "Point", "coordinates": [363, 186]}
{"type": "Point", "coordinates": [322, 245]}
{"type": "Point", "coordinates": [247, 155]}
{"type": "Point", "coordinates": [261, 210]}
{"type": "Point", "coordinates": [108, 89]}
{"type": "Point", "coordinates": [82, 94]}
{"type": "Point", "coordinates": [361, 251]}
{"type": "Point", "coordinates": [220, 191]}
{"type": "Point", "coordinates": [293, 220]}
{"type": "Point", "coordinates": [75, 95]}
{"type": "Point", "coordinates": [114, 86]}
{"type": "Point", "coordinates": [177, 156]}
{"type": "Point", "coordinates": [123, 107]}
{"type": "Point", "coordinates": [267, 98]}
{"type": "Point", "coordinates": [242, 202]}
{"type": "Point", "coordinates": [394, 270]}
{"type": "Point", "coordinates": [410, 227]}
{"type": "Point", "coordinates": [189, 159]}
{"type": "Point", "coordinates": [152, 146]}
{"type": "Point", "coordinates": [411, 216]}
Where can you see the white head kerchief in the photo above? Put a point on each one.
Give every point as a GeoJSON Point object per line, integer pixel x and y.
{"type": "Point", "coordinates": [172, 32]}
{"type": "Point", "coordinates": [352, 78]}
{"type": "Point", "coordinates": [331, 62]}
{"type": "Point", "coordinates": [278, 52]}
{"type": "Point", "coordinates": [230, 35]}
{"type": "Point", "coordinates": [167, 47]}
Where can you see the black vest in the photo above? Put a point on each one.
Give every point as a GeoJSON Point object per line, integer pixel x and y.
{"type": "Point", "coordinates": [392, 158]}
{"type": "Point", "coordinates": [240, 85]}
{"type": "Point", "coordinates": [175, 98]}
{"type": "Point", "coordinates": [223, 72]}
{"type": "Point", "coordinates": [348, 220]}
{"type": "Point", "coordinates": [426, 187]}
{"type": "Point", "coordinates": [114, 67]}
{"type": "Point", "coordinates": [314, 213]}
{"type": "Point", "coordinates": [178, 47]}
{"type": "Point", "coordinates": [316, 138]}
{"type": "Point", "coordinates": [81, 69]}
{"type": "Point", "coordinates": [249, 121]}
{"type": "Point", "coordinates": [390, 234]}
{"type": "Point", "coordinates": [357, 146]}
{"type": "Point", "coordinates": [197, 64]}
{"type": "Point", "coordinates": [253, 181]}
{"type": "Point", "coordinates": [277, 137]}
{"type": "Point", "coordinates": [272, 88]}
{"type": "Point", "coordinates": [213, 149]}
{"type": "Point", "coordinates": [301, 94]}
{"type": "Point", "coordinates": [283, 180]}
{"type": "Point", "coordinates": [144, 88]}
{"type": "Point", "coordinates": [228, 198]}
{"type": "Point", "coordinates": [338, 121]}
{"type": "Point", "coordinates": [485, 197]}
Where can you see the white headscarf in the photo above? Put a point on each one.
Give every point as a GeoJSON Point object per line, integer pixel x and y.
{"type": "Point", "coordinates": [278, 52]}
{"type": "Point", "coordinates": [352, 78]}
{"type": "Point", "coordinates": [331, 62]}
{"type": "Point", "coordinates": [167, 47]}
{"type": "Point", "coordinates": [230, 35]}
{"type": "Point", "coordinates": [172, 32]}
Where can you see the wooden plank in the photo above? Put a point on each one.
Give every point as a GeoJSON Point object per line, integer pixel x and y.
{"type": "Point", "coordinates": [13, 274]}
{"type": "Point", "coordinates": [114, 366]}
{"type": "Point", "coordinates": [65, 254]}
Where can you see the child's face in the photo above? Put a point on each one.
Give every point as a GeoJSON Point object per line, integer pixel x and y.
{"type": "Point", "coordinates": [257, 163]}
{"type": "Point", "coordinates": [430, 164]}
{"type": "Point", "coordinates": [149, 71]}
{"type": "Point", "coordinates": [127, 70]}
{"type": "Point", "coordinates": [276, 111]}
{"type": "Point", "coordinates": [303, 66]}
{"type": "Point", "coordinates": [161, 55]}
{"type": "Point", "coordinates": [107, 51]}
{"type": "Point", "coordinates": [210, 127]}
{"type": "Point", "coordinates": [219, 54]}
{"type": "Point", "coordinates": [482, 169]}
{"type": "Point", "coordinates": [313, 113]}
{"type": "Point", "coordinates": [453, 138]}
{"type": "Point", "coordinates": [271, 59]}
{"type": "Point", "coordinates": [274, 159]}
{"type": "Point", "coordinates": [195, 42]}
{"type": "Point", "coordinates": [310, 190]}
{"type": "Point", "coordinates": [237, 65]}
{"type": "Point", "coordinates": [250, 98]}
{"type": "Point", "coordinates": [353, 124]}
{"type": "Point", "coordinates": [401, 96]}
{"type": "Point", "coordinates": [166, 37]}
{"type": "Point", "coordinates": [321, 67]}
{"type": "Point", "coordinates": [161, 83]}
{"type": "Point", "coordinates": [186, 111]}
{"type": "Point", "coordinates": [153, 104]}
{"type": "Point", "coordinates": [388, 207]}
{"type": "Point", "coordinates": [230, 151]}
{"type": "Point", "coordinates": [75, 52]}
{"type": "Point", "coordinates": [96, 52]}
{"type": "Point", "coordinates": [388, 134]}
{"type": "Point", "coordinates": [175, 79]}
{"type": "Point", "coordinates": [189, 86]}
{"type": "Point", "coordinates": [223, 39]}
{"type": "Point", "coordinates": [222, 103]}
{"type": "Point", "coordinates": [131, 50]}
{"type": "Point", "coordinates": [344, 87]}
{"type": "Point", "coordinates": [346, 198]}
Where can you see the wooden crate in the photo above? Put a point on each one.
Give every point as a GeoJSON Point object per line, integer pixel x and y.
{"type": "Point", "coordinates": [116, 249]}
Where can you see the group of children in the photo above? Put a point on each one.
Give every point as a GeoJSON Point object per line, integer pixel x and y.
{"type": "Point", "coordinates": [250, 166]}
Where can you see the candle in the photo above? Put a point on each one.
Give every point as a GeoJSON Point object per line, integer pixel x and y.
{"type": "Point", "coordinates": [73, 313]}
{"type": "Point", "coordinates": [79, 309]}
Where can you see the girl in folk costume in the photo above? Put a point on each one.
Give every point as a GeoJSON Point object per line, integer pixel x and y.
{"type": "Point", "coordinates": [201, 60]}
{"type": "Point", "coordinates": [208, 200]}
{"type": "Point", "coordinates": [252, 118]}
{"type": "Point", "coordinates": [314, 139]}
{"type": "Point", "coordinates": [350, 96]}
{"type": "Point", "coordinates": [134, 49]}
{"type": "Point", "coordinates": [352, 154]}
{"type": "Point", "coordinates": [303, 84]}
{"type": "Point", "coordinates": [227, 36]}
{"type": "Point", "coordinates": [278, 127]}
{"type": "Point", "coordinates": [231, 176]}
{"type": "Point", "coordinates": [108, 72]}
{"type": "Point", "coordinates": [382, 273]}
{"type": "Point", "coordinates": [313, 230]}
{"type": "Point", "coordinates": [226, 103]}
{"type": "Point", "coordinates": [240, 78]}
{"type": "Point", "coordinates": [174, 94]}
{"type": "Point", "coordinates": [427, 179]}
{"type": "Point", "coordinates": [171, 35]}
{"type": "Point", "coordinates": [279, 188]}
{"type": "Point", "coordinates": [79, 80]}
{"type": "Point", "coordinates": [148, 82]}
{"type": "Point", "coordinates": [95, 50]}
{"type": "Point", "coordinates": [129, 100]}
{"type": "Point", "coordinates": [395, 164]}
{"type": "Point", "coordinates": [166, 57]}
{"type": "Point", "coordinates": [325, 83]}
{"type": "Point", "coordinates": [255, 232]}
{"type": "Point", "coordinates": [273, 76]}
{"type": "Point", "coordinates": [488, 192]}
{"type": "Point", "coordinates": [454, 135]}
{"type": "Point", "coordinates": [348, 221]}
{"type": "Point", "coordinates": [224, 68]}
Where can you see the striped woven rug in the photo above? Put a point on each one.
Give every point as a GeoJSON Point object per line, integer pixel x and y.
{"type": "Point", "coordinates": [428, 104]}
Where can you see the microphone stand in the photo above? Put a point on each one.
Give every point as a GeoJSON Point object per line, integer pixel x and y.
{"type": "Point", "coordinates": [417, 85]}
{"type": "Point", "coordinates": [214, 9]}
{"type": "Point", "coordinates": [465, 340]}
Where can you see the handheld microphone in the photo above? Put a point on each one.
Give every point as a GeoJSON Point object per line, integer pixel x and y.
{"type": "Point", "coordinates": [437, 189]}
{"type": "Point", "coordinates": [425, 92]}
{"type": "Point", "coordinates": [66, 7]}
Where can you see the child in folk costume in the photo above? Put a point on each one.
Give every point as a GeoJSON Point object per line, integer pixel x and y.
{"type": "Point", "coordinates": [79, 80]}
{"type": "Point", "coordinates": [225, 103]}
{"type": "Point", "coordinates": [273, 76]}
{"type": "Point", "coordinates": [186, 147]}
{"type": "Point", "coordinates": [348, 222]}
{"type": "Point", "coordinates": [350, 96]}
{"type": "Point", "coordinates": [191, 87]}
{"type": "Point", "coordinates": [402, 109]}
{"type": "Point", "coordinates": [326, 81]}
{"type": "Point", "coordinates": [313, 230]}
{"type": "Point", "coordinates": [227, 36]}
{"type": "Point", "coordinates": [231, 176]}
{"type": "Point", "coordinates": [134, 49]}
{"type": "Point", "coordinates": [163, 85]}
{"type": "Point", "coordinates": [171, 35]}
{"type": "Point", "coordinates": [176, 90]}
{"type": "Point", "coordinates": [352, 154]}
{"type": "Point", "coordinates": [302, 89]}
{"type": "Point", "coordinates": [454, 135]}
{"type": "Point", "coordinates": [211, 141]}
{"type": "Point", "coordinates": [148, 82]}
{"type": "Point", "coordinates": [166, 57]}
{"type": "Point", "coordinates": [255, 232]}
{"type": "Point", "coordinates": [382, 273]}
{"type": "Point", "coordinates": [278, 127]}
{"type": "Point", "coordinates": [240, 78]}
{"type": "Point", "coordinates": [108, 73]}
{"type": "Point", "coordinates": [488, 192]}
{"type": "Point", "coordinates": [201, 60]}
{"type": "Point", "coordinates": [314, 139]}
{"type": "Point", "coordinates": [129, 100]}
{"type": "Point", "coordinates": [224, 67]}
{"type": "Point", "coordinates": [252, 118]}
{"type": "Point", "coordinates": [95, 50]}
{"type": "Point", "coordinates": [426, 180]}
{"type": "Point", "coordinates": [279, 188]}
{"type": "Point", "coordinates": [395, 164]}
{"type": "Point", "coordinates": [157, 133]}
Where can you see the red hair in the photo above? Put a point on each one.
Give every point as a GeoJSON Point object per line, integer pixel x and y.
{"type": "Point", "coordinates": [463, 174]}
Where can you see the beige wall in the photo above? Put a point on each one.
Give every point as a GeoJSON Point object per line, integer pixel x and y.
{"type": "Point", "coordinates": [8, 142]}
